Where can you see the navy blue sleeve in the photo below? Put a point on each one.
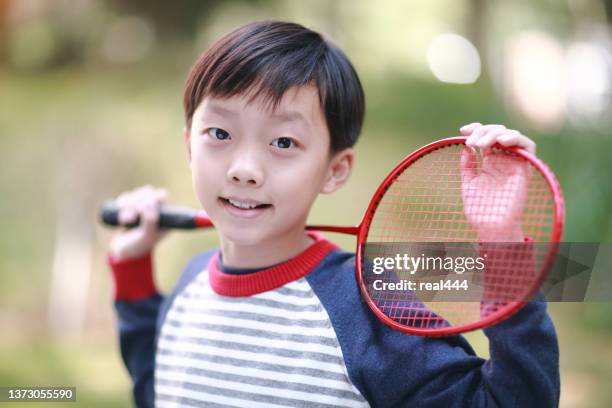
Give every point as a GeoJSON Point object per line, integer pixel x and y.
{"type": "Point", "coordinates": [137, 330]}
{"type": "Point", "coordinates": [139, 322]}
{"type": "Point", "coordinates": [393, 369]}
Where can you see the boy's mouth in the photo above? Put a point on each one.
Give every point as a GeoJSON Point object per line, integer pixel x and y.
{"type": "Point", "coordinates": [244, 208]}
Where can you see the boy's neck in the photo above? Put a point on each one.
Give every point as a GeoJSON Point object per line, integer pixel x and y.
{"type": "Point", "coordinates": [264, 253]}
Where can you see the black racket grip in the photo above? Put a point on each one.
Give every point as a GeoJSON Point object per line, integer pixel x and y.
{"type": "Point", "coordinates": [169, 217]}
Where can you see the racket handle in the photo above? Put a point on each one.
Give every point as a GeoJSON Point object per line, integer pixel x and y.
{"type": "Point", "coordinates": [169, 217]}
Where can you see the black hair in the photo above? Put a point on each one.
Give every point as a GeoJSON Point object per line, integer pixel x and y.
{"type": "Point", "coordinates": [270, 57]}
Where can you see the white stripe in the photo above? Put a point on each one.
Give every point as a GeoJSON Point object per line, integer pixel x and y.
{"type": "Point", "coordinates": [300, 284]}
{"type": "Point", "coordinates": [256, 389]}
{"type": "Point", "coordinates": [202, 304]}
{"type": "Point", "coordinates": [252, 340]}
{"type": "Point", "coordinates": [245, 370]}
{"type": "Point", "coordinates": [249, 356]}
{"type": "Point", "coordinates": [206, 397]}
{"type": "Point", "coordinates": [295, 300]}
{"type": "Point", "coordinates": [171, 404]}
{"type": "Point", "coordinates": [203, 317]}
{"type": "Point", "coordinates": [207, 292]}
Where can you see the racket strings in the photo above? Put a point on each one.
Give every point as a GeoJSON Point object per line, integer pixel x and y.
{"type": "Point", "coordinates": [447, 196]}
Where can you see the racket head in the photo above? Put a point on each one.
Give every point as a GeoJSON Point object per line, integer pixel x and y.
{"type": "Point", "coordinates": [412, 224]}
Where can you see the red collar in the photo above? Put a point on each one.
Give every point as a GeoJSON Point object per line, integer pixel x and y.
{"type": "Point", "coordinates": [267, 279]}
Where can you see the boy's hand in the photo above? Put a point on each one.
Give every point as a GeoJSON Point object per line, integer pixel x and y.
{"type": "Point", "coordinates": [140, 203]}
{"type": "Point", "coordinates": [494, 195]}
{"type": "Point", "coordinates": [485, 136]}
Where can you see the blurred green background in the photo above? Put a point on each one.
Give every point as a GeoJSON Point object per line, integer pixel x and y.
{"type": "Point", "coordinates": [91, 95]}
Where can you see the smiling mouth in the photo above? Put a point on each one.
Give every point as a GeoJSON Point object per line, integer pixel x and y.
{"type": "Point", "coordinates": [243, 205]}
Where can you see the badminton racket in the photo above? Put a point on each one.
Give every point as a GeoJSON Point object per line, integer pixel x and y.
{"type": "Point", "coordinates": [437, 250]}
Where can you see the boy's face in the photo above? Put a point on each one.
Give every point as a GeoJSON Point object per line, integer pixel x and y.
{"type": "Point", "coordinates": [257, 172]}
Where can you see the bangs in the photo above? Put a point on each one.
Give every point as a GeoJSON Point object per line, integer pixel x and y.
{"type": "Point", "coordinates": [267, 77]}
{"type": "Point", "coordinates": [264, 60]}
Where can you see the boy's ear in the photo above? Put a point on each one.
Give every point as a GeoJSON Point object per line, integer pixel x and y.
{"type": "Point", "coordinates": [339, 170]}
{"type": "Point", "coordinates": [187, 135]}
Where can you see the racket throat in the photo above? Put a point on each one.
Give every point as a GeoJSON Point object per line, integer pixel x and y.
{"type": "Point", "coordinates": [340, 230]}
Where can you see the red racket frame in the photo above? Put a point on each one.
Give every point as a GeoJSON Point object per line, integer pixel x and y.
{"type": "Point", "coordinates": [512, 307]}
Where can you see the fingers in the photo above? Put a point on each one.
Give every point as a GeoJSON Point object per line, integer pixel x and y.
{"type": "Point", "coordinates": [142, 203]}
{"type": "Point", "coordinates": [149, 217]}
{"type": "Point", "coordinates": [468, 164]}
{"type": "Point", "coordinates": [485, 136]}
{"type": "Point", "coordinates": [490, 137]}
{"type": "Point", "coordinates": [480, 132]}
{"type": "Point", "coordinates": [467, 130]}
{"type": "Point", "coordinates": [518, 139]}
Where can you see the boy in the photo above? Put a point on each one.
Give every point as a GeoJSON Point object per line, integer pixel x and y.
{"type": "Point", "coordinates": [274, 317]}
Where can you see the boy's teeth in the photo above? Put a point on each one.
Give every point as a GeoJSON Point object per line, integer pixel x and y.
{"type": "Point", "coordinates": [241, 205]}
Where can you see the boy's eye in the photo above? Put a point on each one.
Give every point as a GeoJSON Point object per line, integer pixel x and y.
{"type": "Point", "coordinates": [218, 134]}
{"type": "Point", "coordinates": [283, 142]}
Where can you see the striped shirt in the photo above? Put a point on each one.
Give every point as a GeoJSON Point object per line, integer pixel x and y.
{"type": "Point", "coordinates": [272, 349]}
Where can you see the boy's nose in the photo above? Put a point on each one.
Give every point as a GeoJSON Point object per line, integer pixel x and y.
{"type": "Point", "coordinates": [245, 171]}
